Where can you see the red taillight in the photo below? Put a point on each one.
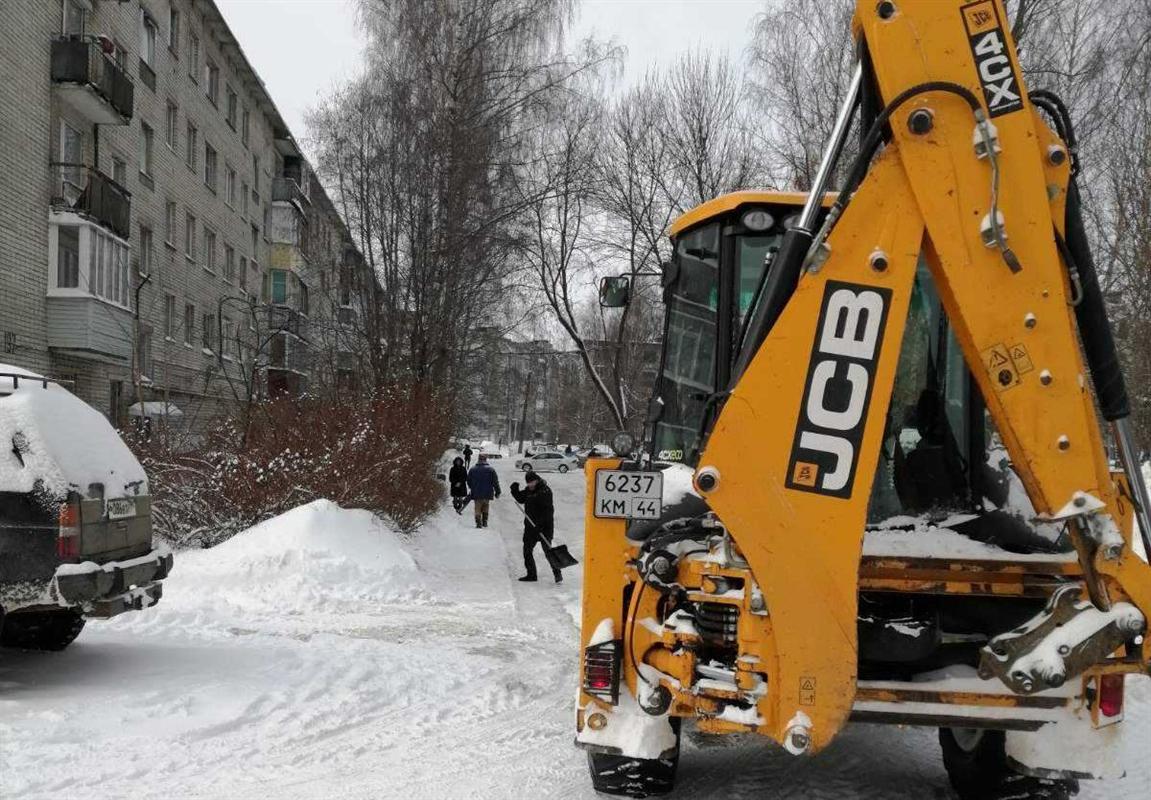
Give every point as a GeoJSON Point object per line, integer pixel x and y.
{"type": "Point", "coordinates": [1111, 695]}
{"type": "Point", "coordinates": [601, 670]}
{"type": "Point", "coordinates": [68, 539]}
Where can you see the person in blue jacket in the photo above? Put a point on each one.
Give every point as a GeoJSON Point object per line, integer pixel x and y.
{"type": "Point", "coordinates": [484, 484]}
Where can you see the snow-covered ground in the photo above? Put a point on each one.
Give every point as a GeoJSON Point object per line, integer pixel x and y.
{"type": "Point", "coordinates": [324, 657]}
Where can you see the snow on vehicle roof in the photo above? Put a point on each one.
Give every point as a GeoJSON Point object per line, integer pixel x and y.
{"type": "Point", "coordinates": [52, 441]}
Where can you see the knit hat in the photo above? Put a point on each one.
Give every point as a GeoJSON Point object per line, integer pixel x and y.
{"type": "Point", "coordinates": [530, 476]}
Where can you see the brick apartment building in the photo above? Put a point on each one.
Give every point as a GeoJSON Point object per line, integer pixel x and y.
{"type": "Point", "coordinates": [162, 237]}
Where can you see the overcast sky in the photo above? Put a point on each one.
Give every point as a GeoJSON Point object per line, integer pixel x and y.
{"type": "Point", "coordinates": [303, 48]}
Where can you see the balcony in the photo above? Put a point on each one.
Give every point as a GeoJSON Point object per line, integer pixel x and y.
{"type": "Point", "coordinates": [87, 191]}
{"type": "Point", "coordinates": [90, 82]}
{"type": "Point", "coordinates": [287, 189]}
{"type": "Point", "coordinates": [282, 318]}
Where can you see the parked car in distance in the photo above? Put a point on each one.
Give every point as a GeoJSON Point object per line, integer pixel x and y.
{"type": "Point", "coordinates": [75, 517]}
{"type": "Point", "coordinates": [547, 462]}
{"type": "Point", "coordinates": [598, 451]}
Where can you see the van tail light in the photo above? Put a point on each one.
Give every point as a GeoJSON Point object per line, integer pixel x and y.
{"type": "Point", "coordinates": [601, 668]}
{"type": "Point", "coordinates": [1111, 695]}
{"type": "Point", "coordinates": [68, 539]}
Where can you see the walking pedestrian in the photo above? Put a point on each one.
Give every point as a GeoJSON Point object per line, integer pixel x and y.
{"type": "Point", "coordinates": [467, 456]}
{"type": "Point", "coordinates": [484, 484]}
{"type": "Point", "coordinates": [539, 520]}
{"type": "Point", "coordinates": [458, 484]}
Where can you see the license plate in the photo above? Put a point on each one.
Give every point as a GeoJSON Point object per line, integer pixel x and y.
{"type": "Point", "coordinates": [121, 507]}
{"type": "Point", "coordinates": [628, 495]}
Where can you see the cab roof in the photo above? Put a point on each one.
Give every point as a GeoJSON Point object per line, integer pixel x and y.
{"type": "Point", "coordinates": [733, 200]}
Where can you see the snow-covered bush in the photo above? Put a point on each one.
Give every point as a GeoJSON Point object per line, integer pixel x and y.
{"type": "Point", "coordinates": [379, 454]}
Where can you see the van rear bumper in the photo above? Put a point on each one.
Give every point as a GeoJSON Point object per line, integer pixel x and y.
{"type": "Point", "coordinates": [105, 590]}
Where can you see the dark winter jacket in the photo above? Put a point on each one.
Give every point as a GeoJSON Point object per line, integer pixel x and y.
{"type": "Point", "coordinates": [458, 478]}
{"type": "Point", "coordinates": [538, 506]}
{"type": "Point", "coordinates": [483, 482]}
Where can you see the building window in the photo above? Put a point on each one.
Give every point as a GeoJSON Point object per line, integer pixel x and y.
{"type": "Point", "coordinates": [226, 343]}
{"type": "Point", "coordinates": [277, 293]}
{"type": "Point", "coordinates": [209, 249]}
{"type": "Point", "coordinates": [209, 333]}
{"type": "Point", "coordinates": [74, 18]}
{"type": "Point", "coordinates": [230, 185]}
{"type": "Point", "coordinates": [119, 170]}
{"type": "Point", "coordinates": [144, 350]}
{"type": "Point", "coordinates": [169, 316]}
{"type": "Point", "coordinates": [147, 38]}
{"type": "Point", "coordinates": [233, 107]}
{"type": "Point", "coordinates": [193, 56]}
{"type": "Point", "coordinates": [212, 81]}
{"type": "Point", "coordinates": [256, 173]}
{"type": "Point", "coordinates": [245, 127]}
{"type": "Point", "coordinates": [171, 131]}
{"type": "Point", "coordinates": [193, 137]}
{"type": "Point", "coordinates": [189, 323]}
{"type": "Point", "coordinates": [170, 223]}
{"type": "Point", "coordinates": [145, 266]}
{"type": "Point", "coordinates": [210, 166]}
{"type": "Point", "coordinates": [243, 274]}
{"type": "Point", "coordinates": [244, 198]}
{"type": "Point", "coordinates": [255, 241]}
{"type": "Point", "coordinates": [174, 31]}
{"type": "Point", "coordinates": [68, 257]}
{"type": "Point", "coordinates": [146, 137]}
{"type": "Point", "coordinates": [190, 236]}
{"type": "Point", "coordinates": [229, 263]}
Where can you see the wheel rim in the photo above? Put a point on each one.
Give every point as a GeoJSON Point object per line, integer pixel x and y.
{"type": "Point", "coordinates": [967, 738]}
{"type": "Point", "coordinates": [527, 467]}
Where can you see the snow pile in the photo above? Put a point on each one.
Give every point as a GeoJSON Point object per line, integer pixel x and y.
{"type": "Point", "coordinates": [677, 484]}
{"type": "Point", "coordinates": [315, 559]}
{"type": "Point", "coordinates": [915, 537]}
{"type": "Point", "coordinates": [50, 437]}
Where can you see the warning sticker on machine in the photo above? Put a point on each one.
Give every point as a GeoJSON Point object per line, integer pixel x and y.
{"type": "Point", "coordinates": [1004, 374]}
{"type": "Point", "coordinates": [807, 691]}
{"type": "Point", "coordinates": [1021, 359]}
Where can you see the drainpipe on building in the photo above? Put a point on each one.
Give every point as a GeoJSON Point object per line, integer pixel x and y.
{"type": "Point", "coordinates": [137, 367]}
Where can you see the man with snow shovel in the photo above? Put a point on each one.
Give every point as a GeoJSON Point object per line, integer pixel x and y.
{"type": "Point", "coordinates": [539, 520]}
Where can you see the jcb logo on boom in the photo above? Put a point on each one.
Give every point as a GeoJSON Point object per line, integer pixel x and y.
{"type": "Point", "coordinates": [840, 374]}
{"type": "Point", "coordinates": [992, 61]}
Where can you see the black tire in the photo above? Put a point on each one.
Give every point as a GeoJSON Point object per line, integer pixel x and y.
{"type": "Point", "coordinates": [41, 630]}
{"type": "Point", "coordinates": [527, 467]}
{"type": "Point", "coordinates": [977, 765]}
{"type": "Point", "coordinates": [562, 468]}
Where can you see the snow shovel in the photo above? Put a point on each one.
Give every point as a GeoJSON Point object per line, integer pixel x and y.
{"type": "Point", "coordinates": [558, 556]}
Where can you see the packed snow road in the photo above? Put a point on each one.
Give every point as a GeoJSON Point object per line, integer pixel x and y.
{"type": "Point", "coordinates": [320, 656]}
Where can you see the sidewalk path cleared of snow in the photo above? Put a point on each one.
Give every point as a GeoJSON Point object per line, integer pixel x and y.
{"type": "Point", "coordinates": [321, 656]}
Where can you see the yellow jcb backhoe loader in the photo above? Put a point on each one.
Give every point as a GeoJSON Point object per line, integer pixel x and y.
{"type": "Point", "coordinates": [876, 483]}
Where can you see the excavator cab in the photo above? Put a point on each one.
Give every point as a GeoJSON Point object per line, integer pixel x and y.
{"type": "Point", "coordinates": [877, 487]}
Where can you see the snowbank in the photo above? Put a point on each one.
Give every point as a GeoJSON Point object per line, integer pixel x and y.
{"type": "Point", "coordinates": [63, 442]}
{"type": "Point", "coordinates": [313, 560]}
